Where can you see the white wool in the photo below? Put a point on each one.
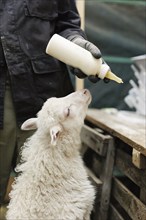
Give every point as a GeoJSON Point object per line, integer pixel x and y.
{"type": "Point", "coordinates": [53, 184]}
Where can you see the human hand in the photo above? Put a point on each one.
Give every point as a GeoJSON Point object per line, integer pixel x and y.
{"type": "Point", "coordinates": [94, 51]}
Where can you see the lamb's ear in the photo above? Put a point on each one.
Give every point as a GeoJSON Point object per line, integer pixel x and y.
{"type": "Point", "coordinates": [54, 133]}
{"type": "Point", "coordinates": [30, 124]}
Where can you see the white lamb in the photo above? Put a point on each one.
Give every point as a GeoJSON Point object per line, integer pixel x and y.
{"type": "Point", "coordinates": [53, 184]}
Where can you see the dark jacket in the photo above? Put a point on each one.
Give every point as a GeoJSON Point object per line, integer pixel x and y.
{"type": "Point", "coordinates": [25, 28]}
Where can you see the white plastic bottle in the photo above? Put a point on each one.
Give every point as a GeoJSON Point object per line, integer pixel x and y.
{"type": "Point", "coordinates": [78, 57]}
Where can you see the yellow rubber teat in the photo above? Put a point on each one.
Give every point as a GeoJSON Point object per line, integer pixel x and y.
{"type": "Point", "coordinates": [112, 76]}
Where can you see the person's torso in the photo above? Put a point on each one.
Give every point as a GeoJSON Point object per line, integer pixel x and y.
{"type": "Point", "coordinates": [25, 29]}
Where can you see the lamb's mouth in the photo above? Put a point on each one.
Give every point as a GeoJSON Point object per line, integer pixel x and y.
{"type": "Point", "coordinates": [88, 95]}
{"type": "Point", "coordinates": [89, 99]}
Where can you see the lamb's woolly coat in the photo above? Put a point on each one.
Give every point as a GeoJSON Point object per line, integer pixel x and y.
{"type": "Point", "coordinates": [53, 184]}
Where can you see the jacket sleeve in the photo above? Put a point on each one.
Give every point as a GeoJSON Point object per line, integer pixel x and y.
{"type": "Point", "coordinates": [68, 21]}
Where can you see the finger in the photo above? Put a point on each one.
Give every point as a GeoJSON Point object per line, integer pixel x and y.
{"type": "Point", "coordinates": [93, 79]}
{"type": "Point", "coordinates": [106, 80]}
{"type": "Point", "coordinates": [93, 49]}
{"type": "Point", "coordinates": [79, 73]}
{"type": "Point", "coordinates": [88, 46]}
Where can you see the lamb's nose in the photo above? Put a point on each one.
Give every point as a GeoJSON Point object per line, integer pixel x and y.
{"type": "Point", "coordinates": [85, 91]}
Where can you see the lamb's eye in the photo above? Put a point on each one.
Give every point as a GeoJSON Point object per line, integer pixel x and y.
{"type": "Point", "coordinates": [68, 112]}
